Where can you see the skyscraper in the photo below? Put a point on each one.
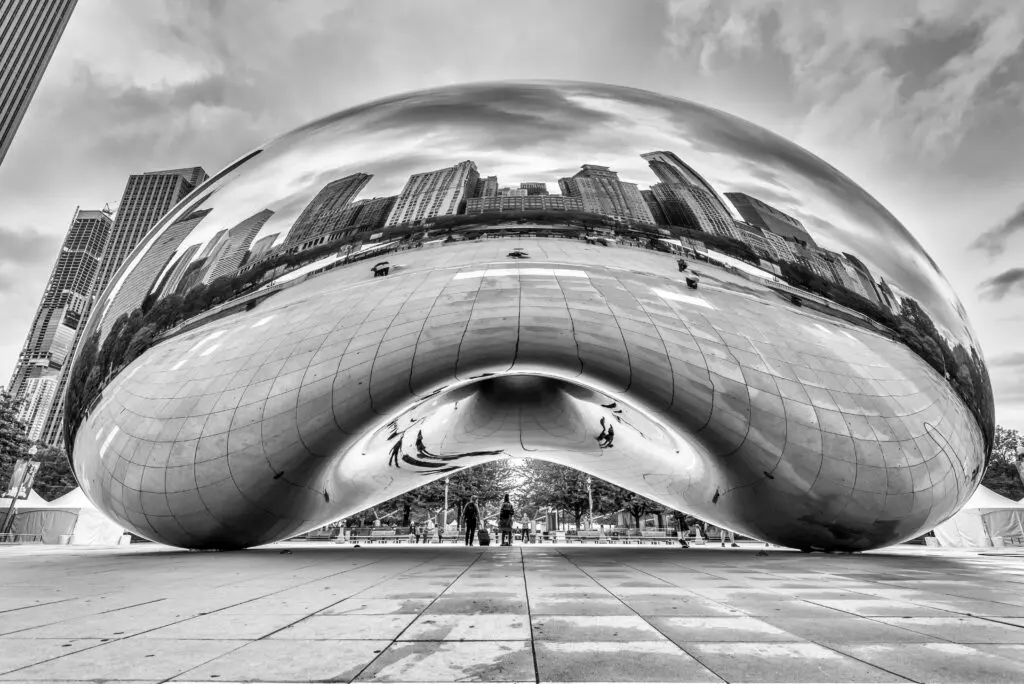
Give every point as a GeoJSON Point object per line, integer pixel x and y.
{"type": "Point", "coordinates": [62, 310]}
{"type": "Point", "coordinates": [767, 217]}
{"type": "Point", "coordinates": [434, 193]}
{"type": "Point", "coordinates": [603, 193]}
{"type": "Point", "coordinates": [535, 188]}
{"type": "Point", "coordinates": [373, 214]}
{"type": "Point", "coordinates": [486, 187]}
{"type": "Point", "coordinates": [137, 284]}
{"type": "Point", "coordinates": [326, 210]}
{"type": "Point", "coordinates": [687, 198]}
{"type": "Point", "coordinates": [147, 197]}
{"type": "Point", "coordinates": [29, 32]}
{"type": "Point", "coordinates": [261, 246]}
{"type": "Point", "coordinates": [654, 206]}
{"type": "Point", "coordinates": [38, 400]}
{"type": "Point", "coordinates": [238, 241]}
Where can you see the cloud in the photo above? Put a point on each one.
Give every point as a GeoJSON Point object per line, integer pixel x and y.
{"type": "Point", "coordinates": [993, 241]}
{"type": "Point", "coordinates": [1009, 282]}
{"type": "Point", "coordinates": [27, 247]}
{"type": "Point", "coordinates": [907, 76]}
{"type": "Point", "coordinates": [1013, 359]}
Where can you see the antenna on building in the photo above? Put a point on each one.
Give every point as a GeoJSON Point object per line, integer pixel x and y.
{"type": "Point", "coordinates": [107, 209]}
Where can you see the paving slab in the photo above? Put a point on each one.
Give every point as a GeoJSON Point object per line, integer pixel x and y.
{"type": "Point", "coordinates": [145, 613]}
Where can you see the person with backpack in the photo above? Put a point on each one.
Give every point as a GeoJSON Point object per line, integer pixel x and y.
{"type": "Point", "coordinates": [471, 518]}
{"type": "Point", "coordinates": [505, 518]}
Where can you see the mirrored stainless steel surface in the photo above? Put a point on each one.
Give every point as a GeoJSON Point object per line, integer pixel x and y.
{"type": "Point", "coordinates": [654, 292]}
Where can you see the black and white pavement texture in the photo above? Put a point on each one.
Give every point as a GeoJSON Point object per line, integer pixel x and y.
{"type": "Point", "coordinates": [405, 613]}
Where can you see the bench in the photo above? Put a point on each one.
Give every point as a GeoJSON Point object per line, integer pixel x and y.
{"type": "Point", "coordinates": [657, 538]}
{"type": "Point", "coordinates": [585, 536]}
{"type": "Point", "coordinates": [382, 536]}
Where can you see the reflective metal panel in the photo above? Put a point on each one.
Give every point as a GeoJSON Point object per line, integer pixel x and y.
{"type": "Point", "coordinates": [654, 292]}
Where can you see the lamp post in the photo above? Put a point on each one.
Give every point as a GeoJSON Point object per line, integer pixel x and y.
{"type": "Point", "coordinates": [590, 499]}
{"type": "Point", "coordinates": [445, 526]}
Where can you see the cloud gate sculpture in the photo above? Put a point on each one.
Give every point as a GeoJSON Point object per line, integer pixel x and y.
{"type": "Point", "coordinates": [648, 290]}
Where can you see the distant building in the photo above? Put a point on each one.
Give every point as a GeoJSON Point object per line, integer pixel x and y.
{"type": "Point", "coordinates": [513, 192]}
{"type": "Point", "coordinates": [780, 248]}
{"type": "Point", "coordinates": [863, 274]}
{"type": "Point", "coordinates": [144, 276]}
{"type": "Point", "coordinates": [481, 205]}
{"type": "Point", "coordinates": [39, 396]}
{"type": "Point", "coordinates": [326, 211]}
{"type": "Point", "coordinates": [889, 298]}
{"type": "Point", "coordinates": [693, 207]}
{"type": "Point", "coordinates": [239, 238]}
{"type": "Point", "coordinates": [767, 217]}
{"type": "Point", "coordinates": [754, 238]}
{"type": "Point", "coordinates": [373, 214]}
{"type": "Point", "coordinates": [435, 193]}
{"type": "Point", "coordinates": [146, 199]}
{"type": "Point", "coordinates": [29, 32]}
{"type": "Point", "coordinates": [177, 272]}
{"type": "Point", "coordinates": [687, 199]}
{"type": "Point", "coordinates": [60, 316]}
{"type": "Point", "coordinates": [486, 187]}
{"type": "Point", "coordinates": [535, 188]}
{"type": "Point", "coordinates": [654, 206]}
{"type": "Point", "coordinates": [261, 246]}
{"type": "Point", "coordinates": [603, 193]}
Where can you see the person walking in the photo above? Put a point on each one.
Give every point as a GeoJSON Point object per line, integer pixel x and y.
{"type": "Point", "coordinates": [471, 518]}
{"type": "Point", "coordinates": [505, 517]}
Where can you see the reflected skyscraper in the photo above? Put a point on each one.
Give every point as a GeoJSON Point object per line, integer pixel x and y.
{"type": "Point", "coordinates": [29, 33]}
{"type": "Point", "coordinates": [54, 333]}
{"type": "Point", "coordinates": [147, 197]}
{"type": "Point", "coordinates": [325, 212]}
{"type": "Point", "coordinates": [601, 192]}
{"type": "Point", "coordinates": [237, 244]}
{"type": "Point", "coordinates": [436, 193]}
{"type": "Point", "coordinates": [767, 217]}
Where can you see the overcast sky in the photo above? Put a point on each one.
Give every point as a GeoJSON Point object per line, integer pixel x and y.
{"type": "Point", "coordinates": [921, 103]}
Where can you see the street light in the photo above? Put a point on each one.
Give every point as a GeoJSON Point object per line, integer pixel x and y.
{"type": "Point", "coordinates": [590, 498]}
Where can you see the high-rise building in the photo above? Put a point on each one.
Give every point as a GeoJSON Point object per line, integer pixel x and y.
{"type": "Point", "coordinates": [238, 241]}
{"type": "Point", "coordinates": [670, 169]}
{"type": "Point", "coordinates": [373, 214]}
{"type": "Point", "coordinates": [482, 205]}
{"type": "Point", "coordinates": [325, 212]}
{"type": "Point", "coordinates": [136, 286]}
{"type": "Point", "coordinates": [173, 278]}
{"type": "Point", "coordinates": [147, 197]}
{"type": "Point", "coordinates": [38, 400]}
{"type": "Point", "coordinates": [486, 187]}
{"type": "Point", "coordinates": [63, 308]}
{"type": "Point", "coordinates": [513, 192]}
{"type": "Point", "coordinates": [29, 32]}
{"type": "Point", "coordinates": [654, 206]}
{"type": "Point", "coordinates": [863, 274]}
{"type": "Point", "coordinates": [693, 207]}
{"type": "Point", "coordinates": [535, 188]}
{"type": "Point", "coordinates": [603, 193]}
{"type": "Point", "coordinates": [767, 217]}
{"type": "Point", "coordinates": [261, 246]}
{"type": "Point", "coordinates": [435, 193]}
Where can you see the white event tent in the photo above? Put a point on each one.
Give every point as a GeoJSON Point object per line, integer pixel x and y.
{"type": "Point", "coordinates": [71, 518]}
{"type": "Point", "coordinates": [988, 519]}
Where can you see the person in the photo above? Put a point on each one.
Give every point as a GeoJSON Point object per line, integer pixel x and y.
{"type": "Point", "coordinates": [505, 518]}
{"type": "Point", "coordinates": [728, 534]}
{"type": "Point", "coordinates": [471, 518]}
{"type": "Point", "coordinates": [418, 532]}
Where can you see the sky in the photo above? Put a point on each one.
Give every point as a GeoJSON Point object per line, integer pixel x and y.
{"type": "Point", "coordinates": [920, 103]}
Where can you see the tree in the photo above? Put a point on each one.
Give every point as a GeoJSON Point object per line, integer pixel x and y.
{"type": "Point", "coordinates": [55, 477]}
{"type": "Point", "coordinates": [13, 440]}
{"type": "Point", "coordinates": [1003, 474]}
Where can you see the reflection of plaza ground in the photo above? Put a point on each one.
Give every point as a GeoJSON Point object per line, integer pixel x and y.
{"type": "Point", "coordinates": [521, 614]}
{"type": "Point", "coordinates": [732, 404]}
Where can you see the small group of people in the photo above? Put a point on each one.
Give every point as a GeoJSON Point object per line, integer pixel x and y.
{"type": "Point", "coordinates": [471, 519]}
{"type": "Point", "coordinates": [706, 532]}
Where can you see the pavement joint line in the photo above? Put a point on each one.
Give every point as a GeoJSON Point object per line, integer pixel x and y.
{"type": "Point", "coordinates": [424, 610]}
{"type": "Point", "coordinates": [637, 614]}
{"type": "Point", "coordinates": [529, 616]}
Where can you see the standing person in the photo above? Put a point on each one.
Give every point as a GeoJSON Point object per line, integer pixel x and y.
{"type": "Point", "coordinates": [471, 518]}
{"type": "Point", "coordinates": [729, 535]}
{"type": "Point", "coordinates": [418, 531]}
{"type": "Point", "coordinates": [505, 518]}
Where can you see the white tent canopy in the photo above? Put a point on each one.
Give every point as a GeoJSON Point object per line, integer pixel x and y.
{"type": "Point", "coordinates": [71, 517]}
{"type": "Point", "coordinates": [988, 519]}
{"type": "Point", "coordinates": [33, 501]}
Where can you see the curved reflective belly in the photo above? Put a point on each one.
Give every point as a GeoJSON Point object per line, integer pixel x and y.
{"type": "Point", "coordinates": [727, 401]}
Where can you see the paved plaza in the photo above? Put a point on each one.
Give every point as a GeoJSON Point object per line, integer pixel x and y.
{"type": "Point", "coordinates": [404, 613]}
